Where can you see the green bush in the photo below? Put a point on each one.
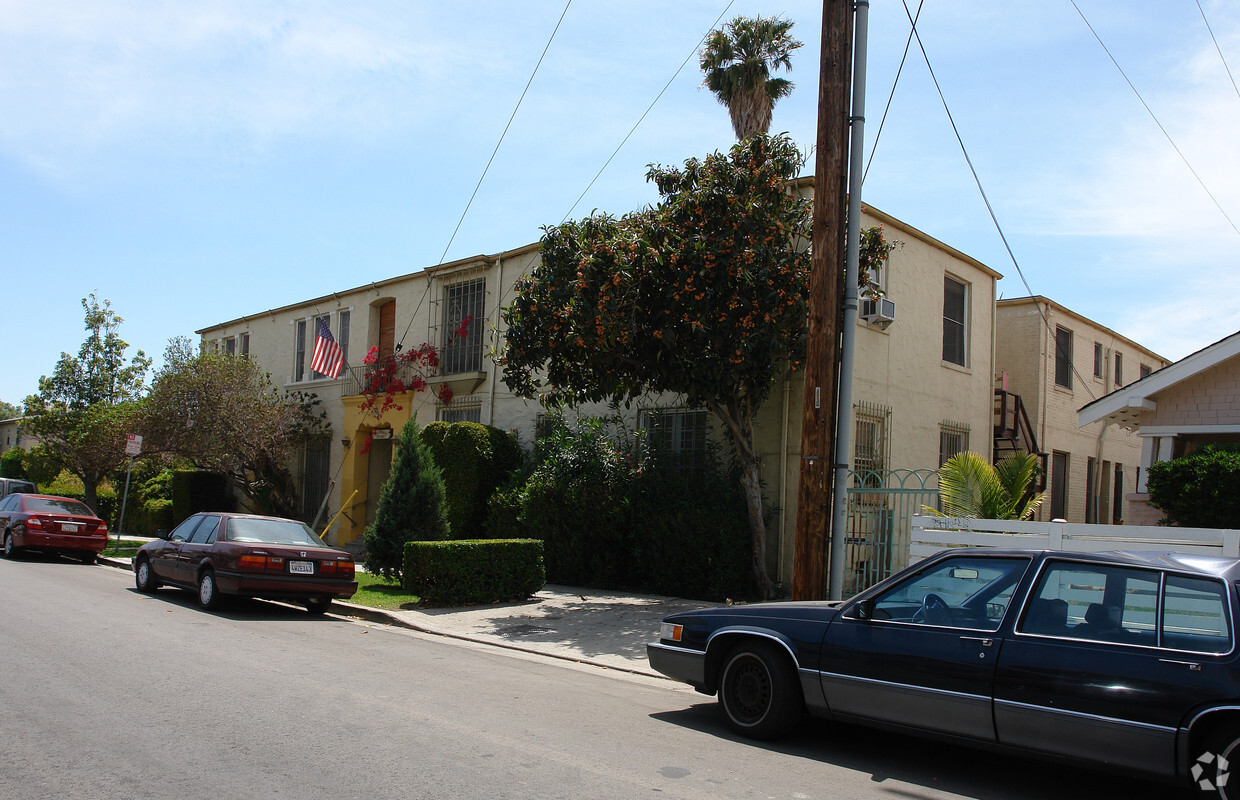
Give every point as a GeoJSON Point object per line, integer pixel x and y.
{"type": "Point", "coordinates": [474, 460]}
{"type": "Point", "coordinates": [472, 571]}
{"type": "Point", "coordinates": [11, 465]}
{"type": "Point", "coordinates": [1199, 490]}
{"type": "Point", "coordinates": [617, 516]}
{"type": "Point", "coordinates": [197, 490]}
{"type": "Point", "coordinates": [411, 506]}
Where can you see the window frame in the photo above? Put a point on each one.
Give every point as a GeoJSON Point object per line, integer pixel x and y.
{"type": "Point", "coordinates": [1063, 356]}
{"type": "Point", "coordinates": [956, 331]}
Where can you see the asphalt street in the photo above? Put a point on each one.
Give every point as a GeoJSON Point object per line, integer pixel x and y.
{"type": "Point", "coordinates": [107, 693]}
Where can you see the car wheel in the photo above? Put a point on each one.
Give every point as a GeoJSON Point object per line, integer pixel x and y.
{"type": "Point", "coordinates": [759, 692]}
{"type": "Point", "coordinates": [209, 596]}
{"type": "Point", "coordinates": [10, 552]}
{"type": "Point", "coordinates": [318, 605]}
{"type": "Point", "coordinates": [1211, 770]}
{"type": "Point", "coordinates": [144, 576]}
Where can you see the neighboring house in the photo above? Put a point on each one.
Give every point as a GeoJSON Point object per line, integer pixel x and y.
{"type": "Point", "coordinates": [1050, 360]}
{"type": "Point", "coordinates": [1174, 410]}
{"type": "Point", "coordinates": [11, 435]}
{"type": "Point", "coordinates": [922, 387]}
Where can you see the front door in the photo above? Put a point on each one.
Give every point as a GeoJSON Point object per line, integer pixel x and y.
{"type": "Point", "coordinates": [923, 653]}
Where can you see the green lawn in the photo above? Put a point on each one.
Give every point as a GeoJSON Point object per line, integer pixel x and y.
{"type": "Point", "coordinates": [376, 592]}
{"type": "Point", "coordinates": [126, 549]}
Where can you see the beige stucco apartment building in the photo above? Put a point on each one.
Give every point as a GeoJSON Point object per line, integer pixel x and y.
{"type": "Point", "coordinates": [923, 374]}
{"type": "Point", "coordinates": [1056, 361]}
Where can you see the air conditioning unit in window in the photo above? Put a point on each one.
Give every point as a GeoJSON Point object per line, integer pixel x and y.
{"type": "Point", "coordinates": [879, 311]}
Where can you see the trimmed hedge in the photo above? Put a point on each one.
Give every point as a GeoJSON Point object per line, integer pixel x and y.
{"type": "Point", "coordinates": [473, 571]}
{"type": "Point", "coordinates": [474, 460]}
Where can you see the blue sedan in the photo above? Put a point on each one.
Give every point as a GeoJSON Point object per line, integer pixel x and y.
{"type": "Point", "coordinates": [1125, 660]}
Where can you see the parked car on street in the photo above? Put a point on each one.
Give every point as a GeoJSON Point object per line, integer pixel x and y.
{"type": "Point", "coordinates": [218, 554]}
{"type": "Point", "coordinates": [51, 524]}
{"type": "Point", "coordinates": [10, 486]}
{"type": "Point", "coordinates": [1127, 660]}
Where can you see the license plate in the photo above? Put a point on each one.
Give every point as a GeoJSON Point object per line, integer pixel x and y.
{"type": "Point", "coordinates": [301, 567]}
{"type": "Point", "coordinates": [69, 527]}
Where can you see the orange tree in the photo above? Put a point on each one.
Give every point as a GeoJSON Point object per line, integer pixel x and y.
{"type": "Point", "coordinates": [702, 295]}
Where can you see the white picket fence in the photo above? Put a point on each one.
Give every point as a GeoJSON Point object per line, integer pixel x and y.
{"type": "Point", "coordinates": [932, 534]}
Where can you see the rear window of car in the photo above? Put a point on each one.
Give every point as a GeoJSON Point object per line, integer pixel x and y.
{"type": "Point", "coordinates": [57, 505]}
{"type": "Point", "coordinates": [271, 531]}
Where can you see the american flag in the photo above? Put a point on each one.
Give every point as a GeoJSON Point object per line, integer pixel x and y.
{"type": "Point", "coordinates": [328, 358]}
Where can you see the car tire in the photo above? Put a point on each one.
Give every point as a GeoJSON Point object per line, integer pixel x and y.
{"type": "Point", "coordinates": [144, 576]}
{"type": "Point", "coordinates": [10, 550]}
{"type": "Point", "coordinates": [759, 692]}
{"type": "Point", "coordinates": [318, 605]}
{"type": "Point", "coordinates": [209, 596]}
{"type": "Point", "coordinates": [1221, 756]}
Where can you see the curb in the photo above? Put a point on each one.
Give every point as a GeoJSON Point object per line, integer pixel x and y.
{"type": "Point", "coordinates": [383, 617]}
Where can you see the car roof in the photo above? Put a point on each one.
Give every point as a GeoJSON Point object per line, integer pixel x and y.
{"type": "Point", "coordinates": [1201, 563]}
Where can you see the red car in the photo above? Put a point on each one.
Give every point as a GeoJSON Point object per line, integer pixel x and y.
{"type": "Point", "coordinates": [53, 524]}
{"type": "Point", "coordinates": [219, 554]}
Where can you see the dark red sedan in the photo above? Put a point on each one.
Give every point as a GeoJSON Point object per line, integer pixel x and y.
{"type": "Point", "coordinates": [219, 554]}
{"type": "Point", "coordinates": [51, 524]}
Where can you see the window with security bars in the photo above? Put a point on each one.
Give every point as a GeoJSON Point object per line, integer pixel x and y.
{"type": "Point", "coordinates": [461, 409]}
{"type": "Point", "coordinates": [953, 439]}
{"type": "Point", "coordinates": [678, 436]}
{"type": "Point", "coordinates": [870, 442]}
{"type": "Point", "coordinates": [461, 328]}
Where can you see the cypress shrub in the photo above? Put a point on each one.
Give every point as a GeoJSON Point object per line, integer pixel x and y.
{"type": "Point", "coordinates": [411, 506]}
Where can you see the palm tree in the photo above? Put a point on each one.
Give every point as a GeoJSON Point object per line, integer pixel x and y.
{"type": "Point", "coordinates": [970, 487]}
{"type": "Point", "coordinates": [738, 60]}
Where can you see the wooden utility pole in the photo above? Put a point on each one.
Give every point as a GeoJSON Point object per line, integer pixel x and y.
{"type": "Point", "coordinates": [809, 566]}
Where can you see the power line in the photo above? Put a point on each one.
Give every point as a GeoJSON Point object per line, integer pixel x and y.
{"type": "Point", "coordinates": [900, 70]}
{"type": "Point", "coordinates": [981, 190]}
{"type": "Point", "coordinates": [1221, 57]}
{"type": "Point", "coordinates": [487, 168]}
{"type": "Point", "coordinates": [1154, 117]}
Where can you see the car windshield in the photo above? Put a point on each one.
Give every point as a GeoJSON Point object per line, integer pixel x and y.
{"type": "Point", "coordinates": [57, 505]}
{"type": "Point", "coordinates": [271, 531]}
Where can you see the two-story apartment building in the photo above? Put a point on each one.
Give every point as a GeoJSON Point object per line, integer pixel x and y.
{"type": "Point", "coordinates": [922, 384]}
{"type": "Point", "coordinates": [11, 435]}
{"type": "Point", "coordinates": [1056, 361]}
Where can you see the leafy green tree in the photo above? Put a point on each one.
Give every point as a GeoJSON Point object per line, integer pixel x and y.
{"type": "Point", "coordinates": [85, 408]}
{"type": "Point", "coordinates": [702, 296]}
{"type": "Point", "coordinates": [40, 466]}
{"type": "Point", "coordinates": [973, 488]}
{"type": "Point", "coordinates": [9, 411]}
{"type": "Point", "coordinates": [738, 60]}
{"type": "Point", "coordinates": [11, 465]}
{"type": "Point", "coordinates": [223, 414]}
{"type": "Point", "coordinates": [1199, 490]}
{"type": "Point", "coordinates": [411, 506]}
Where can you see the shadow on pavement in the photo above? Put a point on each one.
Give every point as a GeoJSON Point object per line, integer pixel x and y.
{"type": "Point", "coordinates": [896, 759]}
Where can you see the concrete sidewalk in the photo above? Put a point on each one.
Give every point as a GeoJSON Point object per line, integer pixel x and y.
{"type": "Point", "coordinates": [589, 626]}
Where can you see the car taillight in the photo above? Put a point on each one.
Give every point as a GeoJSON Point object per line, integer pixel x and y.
{"type": "Point", "coordinates": [337, 569]}
{"type": "Point", "coordinates": [34, 522]}
{"type": "Point", "coordinates": [102, 530]}
{"type": "Point", "coordinates": [260, 563]}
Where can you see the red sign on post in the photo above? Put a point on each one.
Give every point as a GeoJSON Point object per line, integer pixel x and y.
{"type": "Point", "coordinates": [133, 444]}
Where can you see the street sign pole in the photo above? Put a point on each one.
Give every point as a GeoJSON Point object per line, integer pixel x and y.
{"type": "Point", "coordinates": [133, 446]}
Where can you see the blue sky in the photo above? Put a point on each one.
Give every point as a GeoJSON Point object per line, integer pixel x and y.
{"type": "Point", "coordinates": [196, 162]}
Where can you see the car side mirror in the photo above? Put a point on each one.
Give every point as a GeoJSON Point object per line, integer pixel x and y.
{"type": "Point", "coordinates": [864, 610]}
{"type": "Point", "coordinates": [162, 534]}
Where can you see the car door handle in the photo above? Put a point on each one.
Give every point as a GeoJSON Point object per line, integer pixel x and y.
{"type": "Point", "coordinates": [985, 640]}
{"type": "Point", "coordinates": [1193, 666]}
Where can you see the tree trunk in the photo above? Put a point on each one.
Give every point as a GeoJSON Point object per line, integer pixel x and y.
{"type": "Point", "coordinates": [739, 425]}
